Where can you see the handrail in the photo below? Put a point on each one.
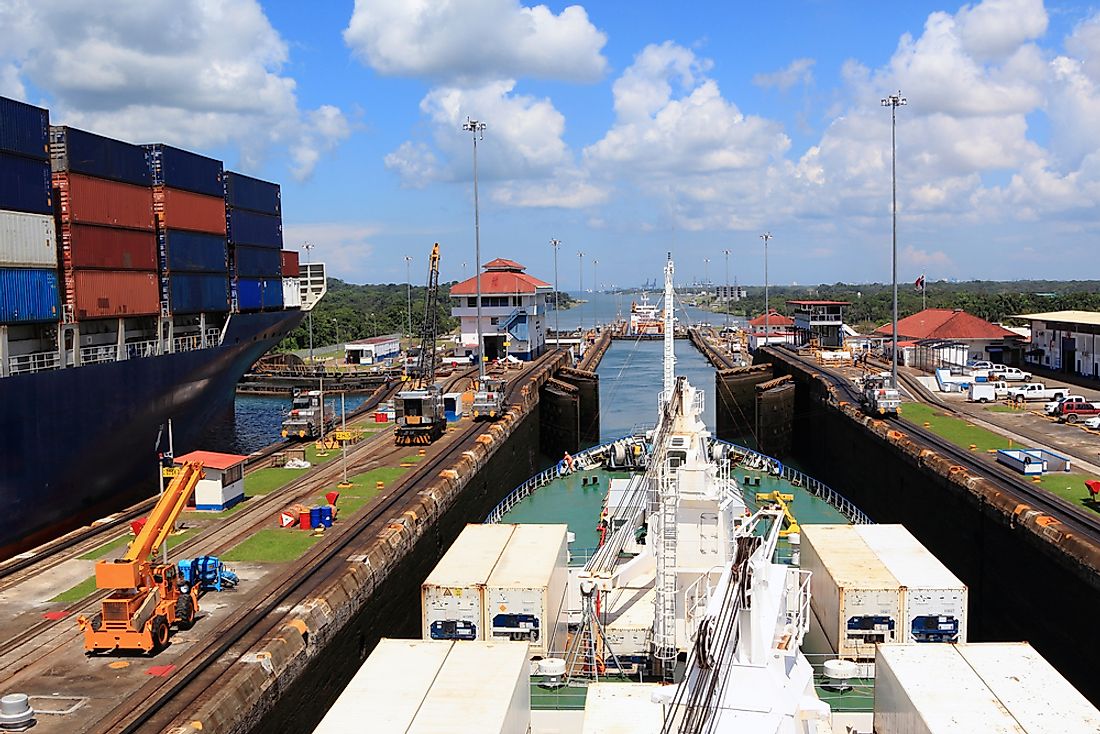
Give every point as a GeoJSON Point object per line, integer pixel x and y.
{"type": "Point", "coordinates": [34, 362]}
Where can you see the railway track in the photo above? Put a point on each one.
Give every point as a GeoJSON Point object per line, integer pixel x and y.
{"type": "Point", "coordinates": [159, 701]}
{"type": "Point", "coordinates": [1085, 523]}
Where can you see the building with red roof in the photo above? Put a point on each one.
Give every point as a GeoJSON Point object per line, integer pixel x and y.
{"type": "Point", "coordinates": [772, 328]}
{"type": "Point", "coordinates": [935, 328]}
{"type": "Point", "coordinates": [223, 483]}
{"type": "Point", "coordinates": [513, 311]}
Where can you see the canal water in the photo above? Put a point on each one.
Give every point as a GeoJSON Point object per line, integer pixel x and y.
{"type": "Point", "coordinates": [256, 421]}
{"type": "Point", "coordinates": [605, 308]}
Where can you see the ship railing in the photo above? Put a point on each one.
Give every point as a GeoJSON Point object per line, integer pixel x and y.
{"type": "Point", "coordinates": [798, 608]}
{"type": "Point", "coordinates": [817, 488]}
{"type": "Point", "coordinates": [852, 695]}
{"type": "Point", "coordinates": [188, 343]}
{"type": "Point", "coordinates": [99, 354]}
{"type": "Point", "coordinates": [213, 338]}
{"type": "Point", "coordinates": [589, 457]}
{"type": "Point", "coordinates": [21, 364]}
{"type": "Point", "coordinates": [140, 350]}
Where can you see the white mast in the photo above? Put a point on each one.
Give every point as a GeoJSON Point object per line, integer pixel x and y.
{"type": "Point", "coordinates": [670, 353]}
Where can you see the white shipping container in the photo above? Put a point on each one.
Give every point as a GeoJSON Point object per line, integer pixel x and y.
{"type": "Point", "coordinates": [525, 593]}
{"type": "Point", "coordinates": [854, 596]}
{"type": "Point", "coordinates": [1036, 694]}
{"type": "Point", "coordinates": [27, 240]}
{"type": "Point", "coordinates": [388, 689]}
{"type": "Point", "coordinates": [931, 689]}
{"type": "Point", "coordinates": [934, 601]}
{"type": "Point", "coordinates": [622, 708]}
{"type": "Point", "coordinates": [452, 597]}
{"type": "Point", "coordinates": [292, 293]}
{"type": "Point", "coordinates": [482, 687]}
{"type": "Point", "coordinates": [628, 623]}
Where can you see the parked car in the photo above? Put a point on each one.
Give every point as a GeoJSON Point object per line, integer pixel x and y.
{"type": "Point", "coordinates": [1053, 406]}
{"type": "Point", "coordinates": [980, 364]}
{"type": "Point", "coordinates": [1012, 374]}
{"type": "Point", "coordinates": [1093, 422]}
{"type": "Point", "coordinates": [1074, 412]}
{"type": "Point", "coordinates": [1036, 391]}
{"type": "Point", "coordinates": [987, 392]}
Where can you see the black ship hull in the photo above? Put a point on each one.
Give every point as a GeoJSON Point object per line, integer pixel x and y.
{"type": "Point", "coordinates": [77, 444]}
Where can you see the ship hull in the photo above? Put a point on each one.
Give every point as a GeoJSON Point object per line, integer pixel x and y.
{"type": "Point", "coordinates": [76, 444]}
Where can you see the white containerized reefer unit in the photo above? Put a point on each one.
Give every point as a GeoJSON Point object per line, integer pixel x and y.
{"type": "Point", "coordinates": [439, 687]}
{"type": "Point", "coordinates": [976, 687]}
{"type": "Point", "coordinates": [452, 597]}
{"type": "Point", "coordinates": [856, 599]}
{"type": "Point", "coordinates": [525, 592]}
{"type": "Point", "coordinates": [933, 600]}
{"type": "Point", "coordinates": [27, 240]}
{"type": "Point", "coordinates": [292, 293]}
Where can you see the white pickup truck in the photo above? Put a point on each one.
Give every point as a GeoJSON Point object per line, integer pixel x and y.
{"type": "Point", "coordinates": [1036, 391]}
{"type": "Point", "coordinates": [1012, 374]}
{"type": "Point", "coordinates": [1052, 407]}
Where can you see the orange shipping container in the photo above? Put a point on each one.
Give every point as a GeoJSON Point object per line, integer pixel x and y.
{"type": "Point", "coordinates": [99, 294]}
{"type": "Point", "coordinates": [88, 200]}
{"type": "Point", "coordinates": [107, 248]}
{"type": "Point", "coordinates": [178, 209]}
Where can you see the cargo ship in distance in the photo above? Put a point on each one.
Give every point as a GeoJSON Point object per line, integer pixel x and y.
{"type": "Point", "coordinates": [137, 285]}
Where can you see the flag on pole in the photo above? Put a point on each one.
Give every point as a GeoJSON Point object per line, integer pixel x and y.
{"type": "Point", "coordinates": [919, 283]}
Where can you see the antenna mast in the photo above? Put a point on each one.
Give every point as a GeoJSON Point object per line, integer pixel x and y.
{"type": "Point", "coordinates": [670, 344]}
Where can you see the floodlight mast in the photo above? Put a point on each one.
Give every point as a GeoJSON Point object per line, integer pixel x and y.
{"type": "Point", "coordinates": [894, 101]}
{"type": "Point", "coordinates": [476, 128]}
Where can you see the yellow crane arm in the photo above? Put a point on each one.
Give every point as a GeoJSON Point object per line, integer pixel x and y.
{"type": "Point", "coordinates": [164, 515]}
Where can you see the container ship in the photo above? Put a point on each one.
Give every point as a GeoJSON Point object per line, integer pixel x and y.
{"type": "Point", "coordinates": [668, 581]}
{"type": "Point", "coordinates": [137, 284]}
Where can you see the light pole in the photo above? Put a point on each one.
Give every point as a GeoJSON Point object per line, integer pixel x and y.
{"type": "Point", "coordinates": [580, 273]}
{"type": "Point", "coordinates": [706, 272]}
{"type": "Point", "coordinates": [727, 254]}
{"type": "Point", "coordinates": [308, 247]}
{"type": "Point", "coordinates": [767, 312]}
{"type": "Point", "coordinates": [337, 324]}
{"type": "Point", "coordinates": [556, 243]}
{"type": "Point", "coordinates": [893, 102]}
{"type": "Point", "coordinates": [595, 290]}
{"type": "Point", "coordinates": [409, 291]}
{"type": "Point", "coordinates": [476, 129]}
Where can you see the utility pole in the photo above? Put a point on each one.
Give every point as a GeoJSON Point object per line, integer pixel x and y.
{"type": "Point", "coordinates": [706, 272]}
{"type": "Point", "coordinates": [476, 129]}
{"type": "Point", "coordinates": [893, 102]}
{"type": "Point", "coordinates": [580, 308]}
{"type": "Point", "coordinates": [308, 247]}
{"type": "Point", "coordinates": [595, 290]}
{"type": "Point", "coordinates": [767, 311]}
{"type": "Point", "coordinates": [556, 244]}
{"type": "Point", "coordinates": [727, 254]}
{"type": "Point", "coordinates": [409, 291]}
{"type": "Point", "coordinates": [336, 322]}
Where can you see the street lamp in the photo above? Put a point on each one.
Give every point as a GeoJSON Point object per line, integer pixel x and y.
{"type": "Point", "coordinates": [337, 323]}
{"type": "Point", "coordinates": [308, 247]}
{"type": "Point", "coordinates": [476, 129]}
{"type": "Point", "coordinates": [595, 290]}
{"type": "Point", "coordinates": [767, 311]}
{"type": "Point", "coordinates": [556, 243]}
{"type": "Point", "coordinates": [706, 272]}
{"type": "Point", "coordinates": [409, 291]}
{"type": "Point", "coordinates": [893, 102]}
{"type": "Point", "coordinates": [580, 273]}
{"type": "Point", "coordinates": [727, 254]}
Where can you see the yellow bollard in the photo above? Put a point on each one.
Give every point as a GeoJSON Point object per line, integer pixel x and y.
{"type": "Point", "coordinates": [973, 447]}
{"type": "Point", "coordinates": [379, 485]}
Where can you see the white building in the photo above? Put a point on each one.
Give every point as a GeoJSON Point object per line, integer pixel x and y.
{"type": "Point", "coordinates": [372, 350]}
{"type": "Point", "coordinates": [1065, 340]}
{"type": "Point", "coordinates": [730, 293]}
{"type": "Point", "coordinates": [223, 483]}
{"type": "Point", "coordinates": [513, 311]}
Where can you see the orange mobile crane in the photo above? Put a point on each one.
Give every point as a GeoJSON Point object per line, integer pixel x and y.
{"type": "Point", "coordinates": [147, 596]}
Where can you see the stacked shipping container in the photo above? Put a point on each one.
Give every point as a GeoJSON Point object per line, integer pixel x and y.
{"type": "Point", "coordinates": [28, 246]}
{"type": "Point", "coordinates": [292, 289]}
{"type": "Point", "coordinates": [253, 216]}
{"type": "Point", "coordinates": [105, 211]}
{"type": "Point", "coordinates": [190, 216]}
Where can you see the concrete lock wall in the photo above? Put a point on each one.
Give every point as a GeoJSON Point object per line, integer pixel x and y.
{"type": "Point", "coordinates": [588, 386]}
{"type": "Point", "coordinates": [735, 409]}
{"type": "Point", "coordinates": [775, 415]}
{"type": "Point", "coordinates": [560, 418]}
{"type": "Point", "coordinates": [1029, 577]}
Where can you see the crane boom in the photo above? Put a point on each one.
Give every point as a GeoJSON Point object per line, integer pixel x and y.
{"type": "Point", "coordinates": [425, 364]}
{"type": "Point", "coordinates": [164, 515]}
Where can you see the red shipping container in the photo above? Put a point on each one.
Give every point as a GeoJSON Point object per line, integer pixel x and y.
{"type": "Point", "coordinates": [100, 294]}
{"type": "Point", "coordinates": [176, 209]}
{"type": "Point", "coordinates": [290, 264]}
{"type": "Point", "coordinates": [89, 200]}
{"type": "Point", "coordinates": [107, 248]}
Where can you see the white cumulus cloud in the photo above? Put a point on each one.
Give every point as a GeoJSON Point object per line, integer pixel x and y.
{"type": "Point", "coordinates": [799, 71]}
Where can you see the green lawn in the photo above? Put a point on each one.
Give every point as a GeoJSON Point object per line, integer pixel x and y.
{"type": "Point", "coordinates": [78, 592]}
{"type": "Point", "coordinates": [1070, 486]}
{"type": "Point", "coordinates": [103, 550]}
{"type": "Point", "coordinates": [364, 488]}
{"type": "Point", "coordinates": [956, 430]}
{"type": "Point", "coordinates": [272, 545]}
{"type": "Point", "coordinates": [1002, 408]}
{"type": "Point", "coordinates": [267, 480]}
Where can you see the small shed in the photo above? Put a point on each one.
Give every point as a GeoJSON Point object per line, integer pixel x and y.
{"type": "Point", "coordinates": [223, 485]}
{"type": "Point", "coordinates": [452, 406]}
{"type": "Point", "coordinates": [372, 350]}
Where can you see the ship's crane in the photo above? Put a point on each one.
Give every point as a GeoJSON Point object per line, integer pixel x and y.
{"type": "Point", "coordinates": [146, 597]}
{"type": "Point", "coordinates": [420, 417]}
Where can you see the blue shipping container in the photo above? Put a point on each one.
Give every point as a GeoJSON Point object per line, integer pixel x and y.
{"type": "Point", "coordinates": [28, 294]}
{"type": "Point", "coordinates": [94, 155]}
{"type": "Point", "coordinates": [25, 185]}
{"type": "Point", "coordinates": [195, 292]}
{"type": "Point", "coordinates": [257, 262]}
{"type": "Point", "coordinates": [182, 169]}
{"type": "Point", "coordinates": [194, 252]}
{"type": "Point", "coordinates": [245, 192]}
{"type": "Point", "coordinates": [249, 228]}
{"type": "Point", "coordinates": [254, 294]}
{"type": "Point", "coordinates": [24, 129]}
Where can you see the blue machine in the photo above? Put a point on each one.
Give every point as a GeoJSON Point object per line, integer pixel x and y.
{"type": "Point", "coordinates": [208, 572]}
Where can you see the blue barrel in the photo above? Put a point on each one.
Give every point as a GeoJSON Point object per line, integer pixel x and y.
{"type": "Point", "coordinates": [315, 517]}
{"type": "Point", "coordinates": [326, 516]}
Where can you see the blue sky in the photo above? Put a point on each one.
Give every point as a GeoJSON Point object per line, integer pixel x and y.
{"type": "Point", "coordinates": [622, 129]}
